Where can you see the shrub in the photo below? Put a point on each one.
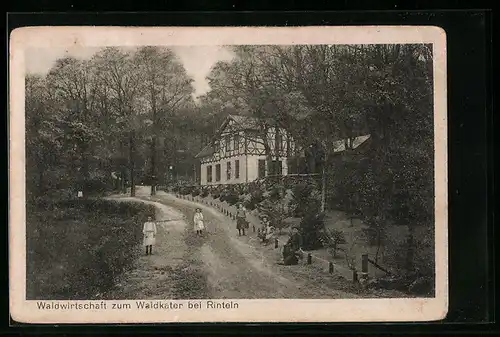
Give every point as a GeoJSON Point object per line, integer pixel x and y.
{"type": "Point", "coordinates": [204, 193]}
{"type": "Point", "coordinates": [195, 192]}
{"type": "Point", "coordinates": [78, 247]}
{"type": "Point", "coordinates": [311, 227]}
{"type": "Point", "coordinates": [255, 198]}
{"type": "Point", "coordinates": [232, 197]}
{"type": "Point", "coordinates": [276, 192]}
{"type": "Point", "coordinates": [275, 211]}
{"type": "Point", "coordinates": [302, 194]}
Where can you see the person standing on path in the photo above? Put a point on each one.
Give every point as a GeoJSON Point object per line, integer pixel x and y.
{"type": "Point", "coordinates": [241, 220]}
{"type": "Point", "coordinates": [199, 226]}
{"type": "Point", "coordinates": [149, 232]}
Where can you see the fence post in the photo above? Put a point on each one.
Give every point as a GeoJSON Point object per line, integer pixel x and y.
{"type": "Point", "coordinates": [253, 227]}
{"type": "Point", "coordinates": [354, 276]}
{"type": "Point", "coordinates": [309, 258]}
{"type": "Point", "coordinates": [275, 243]}
{"type": "Point", "coordinates": [330, 267]}
{"type": "Point", "coordinates": [364, 265]}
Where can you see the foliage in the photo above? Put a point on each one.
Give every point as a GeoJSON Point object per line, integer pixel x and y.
{"type": "Point", "coordinates": [325, 93]}
{"type": "Point", "coordinates": [232, 197]}
{"type": "Point", "coordinates": [78, 247]}
{"type": "Point", "coordinates": [301, 197]}
{"type": "Point", "coordinates": [256, 197]}
{"type": "Point", "coordinates": [275, 210]}
{"type": "Point", "coordinates": [195, 191]}
{"type": "Point", "coordinates": [311, 227]}
{"type": "Point", "coordinates": [98, 116]}
{"type": "Point", "coordinates": [204, 193]}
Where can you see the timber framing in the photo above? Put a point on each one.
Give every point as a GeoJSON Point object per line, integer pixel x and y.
{"type": "Point", "coordinates": [245, 136]}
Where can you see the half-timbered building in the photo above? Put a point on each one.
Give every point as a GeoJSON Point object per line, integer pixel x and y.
{"type": "Point", "coordinates": [237, 153]}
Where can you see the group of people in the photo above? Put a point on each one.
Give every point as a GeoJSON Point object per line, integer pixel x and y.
{"type": "Point", "coordinates": [292, 250]}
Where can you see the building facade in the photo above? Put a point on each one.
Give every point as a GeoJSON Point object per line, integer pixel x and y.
{"type": "Point", "coordinates": [237, 153]}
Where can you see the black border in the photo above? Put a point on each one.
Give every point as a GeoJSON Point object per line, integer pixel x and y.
{"type": "Point", "coordinates": [470, 149]}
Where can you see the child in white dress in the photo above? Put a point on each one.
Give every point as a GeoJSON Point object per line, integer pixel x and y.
{"type": "Point", "coordinates": [149, 232]}
{"type": "Point", "coordinates": [199, 226]}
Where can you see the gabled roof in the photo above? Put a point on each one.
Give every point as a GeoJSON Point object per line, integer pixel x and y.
{"type": "Point", "coordinates": [207, 151]}
{"type": "Point", "coordinates": [339, 145]}
{"type": "Point", "coordinates": [245, 122]}
{"type": "Point", "coordinates": [240, 122]}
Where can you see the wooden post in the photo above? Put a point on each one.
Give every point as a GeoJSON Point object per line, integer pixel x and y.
{"type": "Point", "coordinates": [309, 258]}
{"type": "Point", "coordinates": [330, 267]}
{"type": "Point", "coordinates": [275, 243]}
{"type": "Point", "coordinates": [354, 276]}
{"type": "Point", "coordinates": [253, 227]}
{"type": "Point", "coordinates": [364, 263]}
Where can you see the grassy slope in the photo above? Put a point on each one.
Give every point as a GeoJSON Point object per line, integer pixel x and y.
{"type": "Point", "coordinates": [75, 249]}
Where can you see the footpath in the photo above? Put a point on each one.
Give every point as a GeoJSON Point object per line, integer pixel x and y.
{"type": "Point", "coordinates": [311, 265]}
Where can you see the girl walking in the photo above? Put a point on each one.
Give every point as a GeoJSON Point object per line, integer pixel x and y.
{"type": "Point", "coordinates": [149, 233]}
{"type": "Point", "coordinates": [241, 220]}
{"type": "Point", "coordinates": [199, 226]}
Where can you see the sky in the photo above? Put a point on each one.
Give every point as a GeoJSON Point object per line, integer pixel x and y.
{"type": "Point", "coordinates": [197, 60]}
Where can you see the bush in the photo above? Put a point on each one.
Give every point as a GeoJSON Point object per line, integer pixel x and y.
{"type": "Point", "coordinates": [232, 197]}
{"type": "Point", "coordinates": [78, 247]}
{"type": "Point", "coordinates": [302, 194]}
{"type": "Point", "coordinates": [256, 197]}
{"type": "Point", "coordinates": [277, 192]}
{"type": "Point", "coordinates": [275, 211]}
{"type": "Point", "coordinates": [204, 193]}
{"type": "Point", "coordinates": [185, 190]}
{"type": "Point", "coordinates": [195, 192]}
{"type": "Point", "coordinates": [311, 227]}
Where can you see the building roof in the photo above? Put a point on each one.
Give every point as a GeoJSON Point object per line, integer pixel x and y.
{"type": "Point", "coordinates": [241, 123]}
{"type": "Point", "coordinates": [207, 151]}
{"type": "Point", "coordinates": [244, 122]}
{"type": "Point", "coordinates": [339, 145]}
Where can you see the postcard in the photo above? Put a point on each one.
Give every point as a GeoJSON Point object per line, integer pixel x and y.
{"type": "Point", "coordinates": [228, 174]}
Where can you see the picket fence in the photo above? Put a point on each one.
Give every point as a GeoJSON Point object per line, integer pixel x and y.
{"type": "Point", "coordinates": [328, 266]}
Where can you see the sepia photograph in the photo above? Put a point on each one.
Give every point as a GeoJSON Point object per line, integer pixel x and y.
{"type": "Point", "coordinates": [215, 174]}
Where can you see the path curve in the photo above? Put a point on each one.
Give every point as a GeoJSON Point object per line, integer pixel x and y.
{"type": "Point", "coordinates": [229, 265]}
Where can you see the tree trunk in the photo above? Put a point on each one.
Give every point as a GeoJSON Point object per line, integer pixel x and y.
{"type": "Point", "coordinates": [132, 162]}
{"type": "Point", "coordinates": [324, 174]}
{"type": "Point", "coordinates": [153, 165]}
{"type": "Point", "coordinates": [41, 188]}
{"type": "Point", "coordinates": [153, 143]}
{"type": "Point", "coordinates": [123, 168]}
{"type": "Point", "coordinates": [411, 248]}
{"type": "Point", "coordinates": [379, 241]}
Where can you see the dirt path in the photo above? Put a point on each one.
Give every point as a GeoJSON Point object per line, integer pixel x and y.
{"type": "Point", "coordinates": [219, 265]}
{"type": "Point", "coordinates": [172, 272]}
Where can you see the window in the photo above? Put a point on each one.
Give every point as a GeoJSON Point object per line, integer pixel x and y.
{"type": "Point", "coordinates": [228, 143]}
{"type": "Point", "coordinates": [217, 172]}
{"type": "Point", "coordinates": [288, 146]}
{"type": "Point", "coordinates": [209, 173]}
{"type": "Point", "coordinates": [262, 168]}
{"type": "Point", "coordinates": [237, 143]}
{"type": "Point", "coordinates": [277, 168]}
{"type": "Point", "coordinates": [292, 164]}
{"type": "Point", "coordinates": [236, 169]}
{"type": "Point", "coordinates": [279, 141]}
{"type": "Point", "coordinates": [228, 171]}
